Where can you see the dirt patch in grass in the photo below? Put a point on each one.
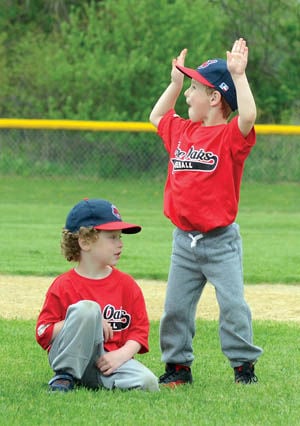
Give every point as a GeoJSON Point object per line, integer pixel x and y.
{"type": "Point", "coordinates": [21, 297]}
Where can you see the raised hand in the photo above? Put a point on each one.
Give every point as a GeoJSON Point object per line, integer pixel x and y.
{"type": "Point", "coordinates": [237, 59]}
{"type": "Point", "coordinates": [169, 97]}
{"type": "Point", "coordinates": [176, 75]}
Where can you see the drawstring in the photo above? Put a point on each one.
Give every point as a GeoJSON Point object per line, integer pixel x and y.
{"type": "Point", "coordinates": [195, 239]}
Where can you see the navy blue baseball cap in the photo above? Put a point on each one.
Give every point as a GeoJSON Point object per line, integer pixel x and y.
{"type": "Point", "coordinates": [99, 214]}
{"type": "Point", "coordinates": [214, 73]}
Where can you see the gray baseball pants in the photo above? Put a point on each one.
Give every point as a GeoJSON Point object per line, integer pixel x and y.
{"type": "Point", "coordinates": [214, 257]}
{"type": "Point", "coordinates": [80, 343]}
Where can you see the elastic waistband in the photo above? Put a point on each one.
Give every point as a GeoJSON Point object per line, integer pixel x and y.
{"type": "Point", "coordinates": [195, 236]}
{"type": "Point", "coordinates": [212, 233]}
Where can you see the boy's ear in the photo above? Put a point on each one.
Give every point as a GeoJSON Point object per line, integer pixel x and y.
{"type": "Point", "coordinates": [215, 98]}
{"type": "Point", "coordinates": [84, 243]}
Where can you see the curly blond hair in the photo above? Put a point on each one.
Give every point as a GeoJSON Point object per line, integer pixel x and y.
{"type": "Point", "coordinates": [69, 243]}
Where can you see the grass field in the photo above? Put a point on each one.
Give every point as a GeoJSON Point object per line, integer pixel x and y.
{"type": "Point", "coordinates": [33, 211]}
{"type": "Point", "coordinates": [213, 399]}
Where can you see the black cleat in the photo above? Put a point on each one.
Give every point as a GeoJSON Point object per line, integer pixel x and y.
{"type": "Point", "coordinates": [244, 374]}
{"type": "Point", "coordinates": [176, 375]}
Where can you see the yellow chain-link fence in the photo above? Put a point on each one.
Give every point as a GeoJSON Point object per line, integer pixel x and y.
{"type": "Point", "coordinates": [50, 148]}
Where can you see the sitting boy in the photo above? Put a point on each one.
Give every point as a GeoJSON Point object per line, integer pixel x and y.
{"type": "Point", "coordinates": [94, 318]}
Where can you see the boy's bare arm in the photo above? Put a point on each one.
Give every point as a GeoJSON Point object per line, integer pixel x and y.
{"type": "Point", "coordinates": [170, 95]}
{"type": "Point", "coordinates": [56, 329]}
{"type": "Point", "coordinates": [237, 61]}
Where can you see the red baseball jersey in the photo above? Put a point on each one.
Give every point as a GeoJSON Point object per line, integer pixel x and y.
{"type": "Point", "coordinates": [205, 170]}
{"type": "Point", "coordinates": [119, 296]}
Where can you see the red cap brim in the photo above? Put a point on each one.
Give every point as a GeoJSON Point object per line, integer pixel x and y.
{"type": "Point", "coordinates": [195, 75]}
{"type": "Point", "coordinates": [126, 228]}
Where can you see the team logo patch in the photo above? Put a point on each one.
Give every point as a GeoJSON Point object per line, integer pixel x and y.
{"type": "Point", "coordinates": [223, 86]}
{"type": "Point", "coordinates": [115, 212]}
{"type": "Point", "coordinates": [119, 319]}
{"type": "Point", "coordinates": [194, 160]}
{"type": "Point", "coordinates": [207, 63]}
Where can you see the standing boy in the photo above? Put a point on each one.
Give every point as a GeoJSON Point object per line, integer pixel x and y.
{"type": "Point", "coordinates": [207, 155]}
{"type": "Point", "coordinates": [94, 318]}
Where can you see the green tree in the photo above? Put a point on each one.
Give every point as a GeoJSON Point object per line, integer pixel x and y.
{"type": "Point", "coordinates": [107, 62]}
{"type": "Point", "coordinates": [110, 59]}
{"type": "Point", "coordinates": [271, 28]}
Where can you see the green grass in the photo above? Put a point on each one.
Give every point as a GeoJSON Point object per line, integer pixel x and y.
{"type": "Point", "coordinates": [213, 399]}
{"type": "Point", "coordinates": [33, 211]}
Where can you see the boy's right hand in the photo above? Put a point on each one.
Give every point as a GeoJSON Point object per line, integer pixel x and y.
{"type": "Point", "coordinates": [177, 76]}
{"type": "Point", "coordinates": [107, 330]}
{"type": "Point", "coordinates": [169, 97]}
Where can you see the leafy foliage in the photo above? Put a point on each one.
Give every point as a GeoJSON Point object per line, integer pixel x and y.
{"type": "Point", "coordinates": [271, 28]}
{"type": "Point", "coordinates": [111, 59]}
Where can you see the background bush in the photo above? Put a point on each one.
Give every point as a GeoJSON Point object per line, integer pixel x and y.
{"type": "Point", "coordinates": [110, 59]}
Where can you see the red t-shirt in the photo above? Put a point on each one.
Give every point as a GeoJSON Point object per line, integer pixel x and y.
{"type": "Point", "coordinates": [119, 296]}
{"type": "Point", "coordinates": [205, 170]}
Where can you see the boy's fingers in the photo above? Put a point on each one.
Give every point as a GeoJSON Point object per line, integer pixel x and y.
{"type": "Point", "coordinates": [239, 46]}
{"type": "Point", "coordinates": [184, 51]}
{"type": "Point", "coordinates": [181, 57]}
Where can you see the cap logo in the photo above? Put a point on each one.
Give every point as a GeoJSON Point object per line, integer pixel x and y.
{"type": "Point", "coordinates": [207, 63]}
{"type": "Point", "coordinates": [115, 212]}
{"type": "Point", "coordinates": [223, 86]}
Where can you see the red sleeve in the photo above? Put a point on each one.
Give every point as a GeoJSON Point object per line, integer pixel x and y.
{"type": "Point", "coordinates": [139, 329]}
{"type": "Point", "coordinates": [52, 312]}
{"type": "Point", "coordinates": [170, 127]}
{"type": "Point", "coordinates": [240, 145]}
{"type": "Point", "coordinates": [44, 326]}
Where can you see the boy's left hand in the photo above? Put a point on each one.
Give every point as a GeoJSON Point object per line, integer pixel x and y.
{"type": "Point", "coordinates": [237, 59]}
{"type": "Point", "coordinates": [110, 361]}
